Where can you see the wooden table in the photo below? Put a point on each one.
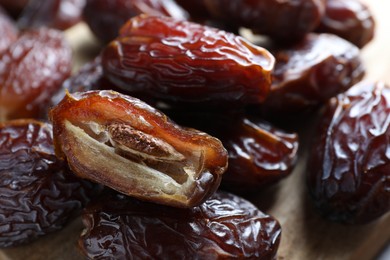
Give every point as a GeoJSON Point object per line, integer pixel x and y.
{"type": "Point", "coordinates": [305, 234]}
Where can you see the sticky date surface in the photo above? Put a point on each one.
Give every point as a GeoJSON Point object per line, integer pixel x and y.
{"type": "Point", "coordinates": [38, 194]}
{"type": "Point", "coordinates": [187, 62]}
{"type": "Point", "coordinates": [123, 143]}
{"type": "Point", "coordinates": [225, 226]}
{"type": "Point", "coordinates": [349, 169]}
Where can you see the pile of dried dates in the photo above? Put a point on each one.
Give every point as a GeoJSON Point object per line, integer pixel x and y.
{"type": "Point", "coordinates": [156, 138]}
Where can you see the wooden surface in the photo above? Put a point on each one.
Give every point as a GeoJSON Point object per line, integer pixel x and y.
{"type": "Point", "coordinates": [305, 235]}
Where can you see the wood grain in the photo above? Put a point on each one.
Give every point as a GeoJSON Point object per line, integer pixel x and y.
{"type": "Point", "coordinates": [305, 234]}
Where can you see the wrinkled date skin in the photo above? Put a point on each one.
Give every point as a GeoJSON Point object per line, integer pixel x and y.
{"type": "Point", "coordinates": [349, 19]}
{"type": "Point", "coordinates": [125, 144]}
{"type": "Point", "coordinates": [106, 17]}
{"type": "Point", "coordinates": [38, 194]}
{"type": "Point", "coordinates": [8, 31]}
{"type": "Point", "coordinates": [349, 169]}
{"type": "Point", "coordinates": [32, 69]}
{"type": "Point", "coordinates": [310, 72]}
{"type": "Point", "coordinates": [286, 20]}
{"type": "Point", "coordinates": [58, 14]}
{"type": "Point", "coordinates": [224, 227]}
{"type": "Point", "coordinates": [180, 61]}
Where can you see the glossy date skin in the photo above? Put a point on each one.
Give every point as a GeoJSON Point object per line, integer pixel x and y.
{"type": "Point", "coordinates": [58, 14]}
{"type": "Point", "coordinates": [8, 31]}
{"type": "Point", "coordinates": [38, 193]}
{"type": "Point", "coordinates": [310, 72]}
{"type": "Point", "coordinates": [349, 19]}
{"type": "Point", "coordinates": [106, 17]}
{"type": "Point", "coordinates": [225, 226]}
{"type": "Point", "coordinates": [286, 21]}
{"type": "Point", "coordinates": [184, 62]}
{"type": "Point", "coordinates": [349, 169]}
{"type": "Point", "coordinates": [32, 69]}
{"type": "Point", "coordinates": [125, 144]}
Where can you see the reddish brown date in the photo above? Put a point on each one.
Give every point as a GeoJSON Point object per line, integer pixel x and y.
{"type": "Point", "coordinates": [8, 31]}
{"type": "Point", "coordinates": [32, 69]}
{"type": "Point", "coordinates": [224, 227]}
{"type": "Point", "coordinates": [180, 61]}
{"type": "Point", "coordinates": [106, 17]}
{"type": "Point", "coordinates": [349, 19]}
{"type": "Point", "coordinates": [125, 144]}
{"type": "Point", "coordinates": [38, 194]}
{"type": "Point", "coordinates": [285, 20]}
{"type": "Point", "coordinates": [310, 72]}
{"type": "Point", "coordinates": [349, 168]}
{"type": "Point", "coordinates": [58, 14]}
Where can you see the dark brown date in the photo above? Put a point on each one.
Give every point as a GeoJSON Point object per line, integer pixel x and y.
{"type": "Point", "coordinates": [349, 19]}
{"type": "Point", "coordinates": [32, 69]}
{"type": "Point", "coordinates": [349, 168]}
{"type": "Point", "coordinates": [310, 72]}
{"type": "Point", "coordinates": [125, 144]}
{"type": "Point", "coordinates": [106, 17]}
{"type": "Point", "coordinates": [14, 7]}
{"type": "Point", "coordinates": [38, 194]}
{"type": "Point", "coordinates": [180, 61]}
{"type": "Point", "coordinates": [224, 227]}
{"type": "Point", "coordinates": [286, 20]}
{"type": "Point", "coordinates": [8, 31]}
{"type": "Point", "coordinates": [196, 8]}
{"type": "Point", "coordinates": [58, 14]}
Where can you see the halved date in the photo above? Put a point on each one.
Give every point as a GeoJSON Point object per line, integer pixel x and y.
{"type": "Point", "coordinates": [224, 227]}
{"type": "Point", "coordinates": [310, 72]}
{"type": "Point", "coordinates": [349, 168]}
{"type": "Point", "coordinates": [125, 144]}
{"type": "Point", "coordinates": [8, 31]}
{"type": "Point", "coordinates": [349, 19]}
{"type": "Point", "coordinates": [180, 61]}
{"type": "Point", "coordinates": [32, 69]}
{"type": "Point", "coordinates": [38, 193]}
{"type": "Point", "coordinates": [106, 17]}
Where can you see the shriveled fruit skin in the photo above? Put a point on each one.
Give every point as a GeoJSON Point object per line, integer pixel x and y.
{"type": "Point", "coordinates": [125, 144]}
{"type": "Point", "coordinates": [349, 19]}
{"type": "Point", "coordinates": [8, 31]}
{"type": "Point", "coordinates": [285, 21]}
{"type": "Point", "coordinates": [38, 193]}
{"type": "Point", "coordinates": [32, 69]}
{"type": "Point", "coordinates": [349, 169]}
{"type": "Point", "coordinates": [225, 226]}
{"type": "Point", "coordinates": [106, 17]}
{"type": "Point", "coordinates": [180, 61]}
{"type": "Point", "coordinates": [310, 72]}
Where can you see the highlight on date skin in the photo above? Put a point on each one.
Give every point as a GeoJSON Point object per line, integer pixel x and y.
{"type": "Point", "coordinates": [125, 144]}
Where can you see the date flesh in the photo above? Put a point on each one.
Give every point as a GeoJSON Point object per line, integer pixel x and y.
{"type": "Point", "coordinates": [286, 20]}
{"type": "Point", "coordinates": [349, 19]}
{"type": "Point", "coordinates": [38, 194]}
{"type": "Point", "coordinates": [8, 31]}
{"type": "Point", "coordinates": [58, 14]}
{"type": "Point", "coordinates": [184, 62]}
{"type": "Point", "coordinates": [106, 17]}
{"type": "Point", "coordinates": [310, 72]}
{"type": "Point", "coordinates": [224, 227]}
{"type": "Point", "coordinates": [32, 69]}
{"type": "Point", "coordinates": [125, 144]}
{"type": "Point", "coordinates": [349, 168]}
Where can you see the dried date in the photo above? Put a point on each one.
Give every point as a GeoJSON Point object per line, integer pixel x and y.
{"type": "Point", "coordinates": [184, 62]}
{"type": "Point", "coordinates": [349, 168]}
{"type": "Point", "coordinates": [32, 69]}
{"type": "Point", "coordinates": [106, 17]}
{"type": "Point", "coordinates": [310, 72]}
{"type": "Point", "coordinates": [14, 7]}
{"type": "Point", "coordinates": [224, 227]}
{"type": "Point", "coordinates": [286, 20]}
{"type": "Point", "coordinates": [8, 31]}
{"type": "Point", "coordinates": [38, 194]}
{"type": "Point", "coordinates": [125, 144]}
{"type": "Point", "coordinates": [349, 19]}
